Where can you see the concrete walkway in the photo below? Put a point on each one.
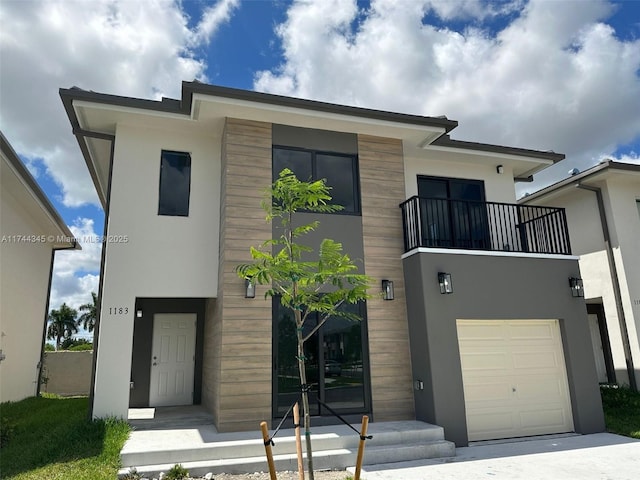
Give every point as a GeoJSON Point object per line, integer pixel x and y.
{"type": "Point", "coordinates": [581, 457]}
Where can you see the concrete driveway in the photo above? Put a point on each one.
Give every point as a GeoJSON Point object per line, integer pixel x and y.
{"type": "Point", "coordinates": [581, 457]}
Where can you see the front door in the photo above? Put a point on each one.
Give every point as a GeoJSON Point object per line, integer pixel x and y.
{"type": "Point", "coordinates": [598, 350]}
{"type": "Point", "coordinates": [335, 363]}
{"type": "Point", "coordinates": [172, 359]}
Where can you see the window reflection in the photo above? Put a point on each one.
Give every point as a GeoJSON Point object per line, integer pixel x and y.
{"type": "Point", "coordinates": [334, 357]}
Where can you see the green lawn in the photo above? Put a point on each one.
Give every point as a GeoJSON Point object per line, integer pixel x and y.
{"type": "Point", "coordinates": [621, 411]}
{"type": "Point", "coordinates": [51, 438]}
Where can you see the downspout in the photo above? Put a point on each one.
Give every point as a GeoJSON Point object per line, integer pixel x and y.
{"type": "Point", "coordinates": [46, 315]}
{"type": "Point", "coordinates": [96, 329]}
{"type": "Point", "coordinates": [626, 345]}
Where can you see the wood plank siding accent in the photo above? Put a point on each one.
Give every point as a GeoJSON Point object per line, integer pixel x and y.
{"type": "Point", "coordinates": [237, 359]}
{"type": "Point", "coordinates": [381, 165]}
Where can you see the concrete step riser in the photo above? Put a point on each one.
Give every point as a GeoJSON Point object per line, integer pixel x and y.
{"type": "Point", "coordinates": [286, 445]}
{"type": "Point", "coordinates": [322, 459]}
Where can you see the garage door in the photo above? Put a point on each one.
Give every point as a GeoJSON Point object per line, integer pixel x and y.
{"type": "Point", "coordinates": [515, 382]}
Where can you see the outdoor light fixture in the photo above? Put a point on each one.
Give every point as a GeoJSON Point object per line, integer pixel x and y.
{"type": "Point", "coordinates": [500, 169]}
{"type": "Point", "coordinates": [387, 289]}
{"type": "Point", "coordinates": [138, 313]}
{"type": "Point", "coordinates": [577, 289]}
{"type": "Point", "coordinates": [250, 288]}
{"type": "Point", "coordinates": [444, 279]}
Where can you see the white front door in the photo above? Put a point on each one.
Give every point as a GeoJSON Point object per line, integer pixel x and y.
{"type": "Point", "coordinates": [172, 359]}
{"type": "Point", "coordinates": [514, 378]}
{"type": "Point", "coordinates": [598, 351]}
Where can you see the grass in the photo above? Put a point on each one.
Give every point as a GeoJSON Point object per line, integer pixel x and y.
{"type": "Point", "coordinates": [621, 411]}
{"type": "Point", "coordinates": [52, 438]}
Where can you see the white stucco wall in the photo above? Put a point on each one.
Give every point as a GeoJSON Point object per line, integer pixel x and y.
{"type": "Point", "coordinates": [162, 256]}
{"type": "Point", "coordinates": [620, 195]}
{"type": "Point", "coordinates": [24, 279]}
{"type": "Point", "coordinates": [498, 187]}
{"type": "Point", "coordinates": [620, 191]}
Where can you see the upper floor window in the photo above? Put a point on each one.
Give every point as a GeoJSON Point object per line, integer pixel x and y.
{"type": "Point", "coordinates": [338, 169]}
{"type": "Point", "coordinates": [175, 183]}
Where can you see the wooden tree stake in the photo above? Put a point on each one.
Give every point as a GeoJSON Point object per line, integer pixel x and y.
{"type": "Point", "coordinates": [267, 447]}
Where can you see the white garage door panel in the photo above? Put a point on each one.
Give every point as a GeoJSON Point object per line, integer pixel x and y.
{"type": "Point", "coordinates": [540, 387]}
{"type": "Point", "coordinates": [537, 360]}
{"type": "Point", "coordinates": [530, 332]}
{"type": "Point", "coordinates": [514, 378]}
{"type": "Point", "coordinates": [541, 420]}
{"type": "Point", "coordinates": [491, 422]}
{"type": "Point", "coordinates": [488, 393]}
{"type": "Point", "coordinates": [484, 361]}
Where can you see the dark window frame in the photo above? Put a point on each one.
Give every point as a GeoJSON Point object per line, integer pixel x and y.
{"type": "Point", "coordinates": [163, 211]}
{"type": "Point", "coordinates": [357, 211]}
{"type": "Point", "coordinates": [276, 306]}
{"type": "Point", "coordinates": [454, 229]}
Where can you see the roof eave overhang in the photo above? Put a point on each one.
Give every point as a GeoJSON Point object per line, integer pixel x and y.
{"type": "Point", "coordinates": [39, 197]}
{"type": "Point", "coordinates": [589, 175]}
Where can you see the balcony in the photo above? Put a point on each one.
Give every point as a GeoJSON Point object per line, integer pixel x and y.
{"type": "Point", "coordinates": [504, 227]}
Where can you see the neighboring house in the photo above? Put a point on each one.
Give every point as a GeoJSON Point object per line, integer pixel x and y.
{"type": "Point", "coordinates": [31, 231]}
{"type": "Point", "coordinates": [506, 354]}
{"type": "Point", "coordinates": [603, 212]}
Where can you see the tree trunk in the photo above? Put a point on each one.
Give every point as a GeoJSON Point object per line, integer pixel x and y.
{"type": "Point", "coordinates": [305, 397]}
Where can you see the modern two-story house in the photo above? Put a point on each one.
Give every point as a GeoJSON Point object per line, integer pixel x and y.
{"type": "Point", "coordinates": [602, 206]}
{"type": "Point", "coordinates": [478, 330]}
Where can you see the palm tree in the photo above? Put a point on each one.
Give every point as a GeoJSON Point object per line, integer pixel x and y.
{"type": "Point", "coordinates": [62, 324]}
{"type": "Point", "coordinates": [88, 318]}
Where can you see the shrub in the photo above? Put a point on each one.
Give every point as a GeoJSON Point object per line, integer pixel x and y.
{"type": "Point", "coordinates": [614, 396]}
{"type": "Point", "coordinates": [81, 348]}
{"type": "Point", "coordinates": [177, 472]}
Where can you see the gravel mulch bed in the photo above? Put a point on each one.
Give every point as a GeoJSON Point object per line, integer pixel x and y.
{"type": "Point", "coordinates": [321, 475]}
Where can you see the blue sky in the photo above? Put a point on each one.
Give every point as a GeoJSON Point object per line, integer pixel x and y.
{"type": "Point", "coordinates": [546, 74]}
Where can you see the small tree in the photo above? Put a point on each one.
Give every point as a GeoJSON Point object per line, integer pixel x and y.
{"type": "Point", "coordinates": [89, 315]}
{"type": "Point", "coordinates": [306, 287]}
{"type": "Point", "coordinates": [62, 324]}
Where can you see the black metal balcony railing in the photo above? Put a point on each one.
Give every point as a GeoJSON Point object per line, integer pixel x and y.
{"type": "Point", "coordinates": [442, 223]}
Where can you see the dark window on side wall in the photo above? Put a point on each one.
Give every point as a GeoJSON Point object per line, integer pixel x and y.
{"type": "Point", "coordinates": [339, 170]}
{"type": "Point", "coordinates": [175, 183]}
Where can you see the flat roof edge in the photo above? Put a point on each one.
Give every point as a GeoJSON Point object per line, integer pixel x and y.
{"type": "Point", "coordinates": [189, 88]}
{"type": "Point", "coordinates": [446, 141]}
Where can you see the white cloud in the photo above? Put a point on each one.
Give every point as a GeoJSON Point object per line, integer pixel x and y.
{"type": "Point", "coordinates": [75, 273]}
{"type": "Point", "coordinates": [133, 48]}
{"type": "Point", "coordinates": [556, 77]}
{"type": "Point", "coordinates": [631, 157]}
{"type": "Point", "coordinates": [212, 18]}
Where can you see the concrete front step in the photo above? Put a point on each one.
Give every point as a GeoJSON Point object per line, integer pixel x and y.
{"type": "Point", "coordinates": [334, 446]}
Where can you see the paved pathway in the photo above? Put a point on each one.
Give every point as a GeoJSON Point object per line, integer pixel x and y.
{"type": "Point", "coordinates": [582, 457]}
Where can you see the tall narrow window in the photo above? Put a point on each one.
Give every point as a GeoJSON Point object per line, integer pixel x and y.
{"type": "Point", "coordinates": [175, 183]}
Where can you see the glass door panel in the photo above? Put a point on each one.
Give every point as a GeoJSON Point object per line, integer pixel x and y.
{"type": "Point", "coordinates": [335, 363]}
{"type": "Point", "coordinates": [434, 212]}
{"type": "Point", "coordinates": [343, 363]}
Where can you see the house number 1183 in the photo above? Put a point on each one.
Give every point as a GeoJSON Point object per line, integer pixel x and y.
{"type": "Point", "coordinates": [118, 310]}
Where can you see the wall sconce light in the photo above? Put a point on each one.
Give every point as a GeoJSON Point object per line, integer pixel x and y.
{"type": "Point", "coordinates": [577, 288]}
{"type": "Point", "coordinates": [250, 288]}
{"type": "Point", "coordinates": [387, 290]}
{"type": "Point", "coordinates": [500, 169]}
{"type": "Point", "coordinates": [444, 279]}
{"type": "Point", "coordinates": [138, 313]}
